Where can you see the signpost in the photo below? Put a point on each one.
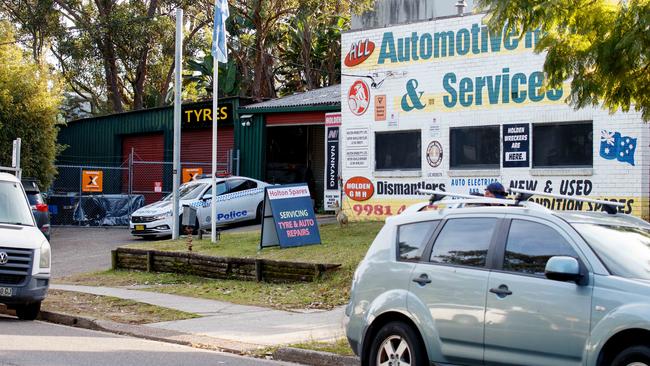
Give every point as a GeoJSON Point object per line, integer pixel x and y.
{"type": "Point", "coordinates": [289, 219]}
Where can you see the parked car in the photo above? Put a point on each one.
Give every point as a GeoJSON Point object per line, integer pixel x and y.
{"type": "Point", "coordinates": [38, 205]}
{"type": "Point", "coordinates": [238, 199]}
{"type": "Point", "coordinates": [503, 285]}
{"type": "Point", "coordinates": [25, 254]}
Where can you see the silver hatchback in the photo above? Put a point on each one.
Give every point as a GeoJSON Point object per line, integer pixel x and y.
{"type": "Point", "coordinates": [504, 285]}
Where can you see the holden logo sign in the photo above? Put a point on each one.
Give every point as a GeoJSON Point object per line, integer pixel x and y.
{"type": "Point", "coordinates": [4, 258]}
{"type": "Point", "coordinates": [359, 52]}
{"type": "Point", "coordinates": [434, 154]}
{"type": "Point", "coordinates": [359, 188]}
{"type": "Point", "coordinates": [359, 97]}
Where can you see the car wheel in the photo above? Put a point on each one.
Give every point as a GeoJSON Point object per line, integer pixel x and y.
{"type": "Point", "coordinates": [633, 356]}
{"type": "Point", "coordinates": [259, 214]}
{"type": "Point", "coordinates": [396, 344]}
{"type": "Point", "coordinates": [28, 311]}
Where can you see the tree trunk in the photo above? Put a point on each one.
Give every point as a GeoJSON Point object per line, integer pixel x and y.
{"type": "Point", "coordinates": [107, 49]}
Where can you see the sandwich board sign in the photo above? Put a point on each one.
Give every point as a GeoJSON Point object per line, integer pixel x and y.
{"type": "Point", "coordinates": [288, 219]}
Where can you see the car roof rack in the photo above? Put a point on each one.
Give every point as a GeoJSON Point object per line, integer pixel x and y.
{"type": "Point", "coordinates": [522, 197]}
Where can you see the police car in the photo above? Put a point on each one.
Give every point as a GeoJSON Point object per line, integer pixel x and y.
{"type": "Point", "coordinates": [238, 199]}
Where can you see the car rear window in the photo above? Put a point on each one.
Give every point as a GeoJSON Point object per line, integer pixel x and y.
{"type": "Point", "coordinates": [412, 238]}
{"type": "Point", "coordinates": [34, 198]}
{"type": "Point", "coordinates": [464, 242]}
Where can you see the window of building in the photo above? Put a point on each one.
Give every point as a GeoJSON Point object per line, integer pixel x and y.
{"type": "Point", "coordinates": [530, 245]}
{"type": "Point", "coordinates": [563, 145]}
{"type": "Point", "coordinates": [399, 150]}
{"type": "Point", "coordinates": [412, 239]}
{"type": "Point", "coordinates": [474, 147]}
{"type": "Point", "coordinates": [464, 242]}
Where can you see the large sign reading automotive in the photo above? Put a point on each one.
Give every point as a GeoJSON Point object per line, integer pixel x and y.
{"type": "Point", "coordinates": [477, 110]}
{"type": "Point", "coordinates": [289, 219]}
{"type": "Point", "coordinates": [201, 115]}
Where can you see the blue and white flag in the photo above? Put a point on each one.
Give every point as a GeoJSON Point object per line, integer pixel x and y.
{"type": "Point", "coordinates": [615, 146]}
{"type": "Point", "coordinates": [221, 13]}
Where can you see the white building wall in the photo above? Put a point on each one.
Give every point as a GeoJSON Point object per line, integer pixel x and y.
{"type": "Point", "coordinates": [609, 179]}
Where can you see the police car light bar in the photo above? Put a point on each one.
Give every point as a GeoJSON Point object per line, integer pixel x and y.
{"type": "Point", "coordinates": [609, 206]}
{"type": "Point", "coordinates": [465, 198]}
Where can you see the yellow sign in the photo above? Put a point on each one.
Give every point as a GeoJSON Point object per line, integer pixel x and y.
{"type": "Point", "coordinates": [92, 181]}
{"type": "Point", "coordinates": [191, 173]}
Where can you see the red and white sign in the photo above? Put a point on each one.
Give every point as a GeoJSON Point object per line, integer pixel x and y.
{"type": "Point", "coordinates": [332, 119]}
{"type": "Point", "coordinates": [359, 52]}
{"type": "Point", "coordinates": [288, 192]}
{"type": "Point", "coordinates": [359, 188]}
{"type": "Point", "coordinates": [359, 97]}
{"type": "Point", "coordinates": [157, 187]}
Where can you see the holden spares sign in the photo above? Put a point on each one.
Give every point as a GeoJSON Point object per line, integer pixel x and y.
{"type": "Point", "coordinates": [289, 219]}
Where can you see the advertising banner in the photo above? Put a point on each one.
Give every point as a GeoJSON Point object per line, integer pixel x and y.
{"type": "Point", "coordinates": [289, 219]}
{"type": "Point", "coordinates": [332, 194]}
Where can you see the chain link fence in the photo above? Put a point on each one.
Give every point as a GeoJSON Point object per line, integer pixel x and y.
{"type": "Point", "coordinates": [105, 195]}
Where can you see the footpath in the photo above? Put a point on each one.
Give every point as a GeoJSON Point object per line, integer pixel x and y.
{"type": "Point", "coordinates": [224, 326]}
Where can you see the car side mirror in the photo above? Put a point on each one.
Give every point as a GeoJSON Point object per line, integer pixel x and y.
{"type": "Point", "coordinates": [207, 197]}
{"type": "Point", "coordinates": [561, 268]}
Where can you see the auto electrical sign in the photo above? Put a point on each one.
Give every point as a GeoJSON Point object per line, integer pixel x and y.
{"type": "Point", "coordinates": [289, 219]}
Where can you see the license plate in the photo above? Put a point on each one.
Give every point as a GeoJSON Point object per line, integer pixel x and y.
{"type": "Point", "coordinates": [6, 291]}
{"type": "Point", "coordinates": [139, 227]}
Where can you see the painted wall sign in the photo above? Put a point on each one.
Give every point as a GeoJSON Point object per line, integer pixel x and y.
{"type": "Point", "coordinates": [356, 137]}
{"type": "Point", "coordinates": [93, 181]}
{"type": "Point", "coordinates": [359, 52]}
{"type": "Point", "coordinates": [615, 146]}
{"type": "Point", "coordinates": [201, 116]}
{"type": "Point", "coordinates": [516, 145]}
{"type": "Point", "coordinates": [289, 219]}
{"type": "Point", "coordinates": [359, 97]}
{"type": "Point", "coordinates": [434, 154]}
{"type": "Point", "coordinates": [380, 107]}
{"type": "Point", "coordinates": [357, 158]}
{"type": "Point", "coordinates": [359, 188]}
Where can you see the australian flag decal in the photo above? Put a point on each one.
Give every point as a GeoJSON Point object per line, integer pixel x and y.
{"type": "Point", "coordinates": [615, 146]}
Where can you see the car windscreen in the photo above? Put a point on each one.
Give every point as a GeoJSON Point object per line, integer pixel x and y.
{"type": "Point", "coordinates": [624, 250]}
{"type": "Point", "coordinates": [13, 206]}
{"type": "Point", "coordinates": [34, 198]}
{"type": "Point", "coordinates": [189, 191]}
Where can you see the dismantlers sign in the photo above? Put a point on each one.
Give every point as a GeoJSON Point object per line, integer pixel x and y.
{"type": "Point", "coordinates": [201, 116]}
{"type": "Point", "coordinates": [397, 189]}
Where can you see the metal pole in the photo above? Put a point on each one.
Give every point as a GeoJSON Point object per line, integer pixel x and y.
{"type": "Point", "coordinates": [215, 114]}
{"type": "Point", "coordinates": [177, 121]}
{"type": "Point", "coordinates": [19, 172]}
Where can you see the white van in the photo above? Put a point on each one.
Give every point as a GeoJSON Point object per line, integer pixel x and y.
{"type": "Point", "coordinates": [25, 254]}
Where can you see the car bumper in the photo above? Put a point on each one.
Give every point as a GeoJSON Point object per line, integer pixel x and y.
{"type": "Point", "coordinates": [153, 228]}
{"type": "Point", "coordinates": [33, 289]}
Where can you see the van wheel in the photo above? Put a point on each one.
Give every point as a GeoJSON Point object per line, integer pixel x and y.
{"type": "Point", "coordinates": [396, 344]}
{"type": "Point", "coordinates": [633, 356]}
{"type": "Point", "coordinates": [28, 311]}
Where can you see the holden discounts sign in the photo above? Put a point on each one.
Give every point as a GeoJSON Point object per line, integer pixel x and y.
{"type": "Point", "coordinates": [289, 219]}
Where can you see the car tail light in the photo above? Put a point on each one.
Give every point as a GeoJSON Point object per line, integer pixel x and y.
{"type": "Point", "coordinates": [41, 207]}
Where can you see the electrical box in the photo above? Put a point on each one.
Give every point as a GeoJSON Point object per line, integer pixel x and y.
{"type": "Point", "coordinates": [189, 216]}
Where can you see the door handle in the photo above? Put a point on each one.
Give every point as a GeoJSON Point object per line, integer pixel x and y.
{"type": "Point", "coordinates": [422, 280]}
{"type": "Point", "coordinates": [502, 291]}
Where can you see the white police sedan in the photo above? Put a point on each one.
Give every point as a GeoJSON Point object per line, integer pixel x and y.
{"type": "Point", "coordinates": [238, 199]}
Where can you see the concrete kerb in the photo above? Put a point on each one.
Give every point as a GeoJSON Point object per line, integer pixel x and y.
{"type": "Point", "coordinates": [288, 354]}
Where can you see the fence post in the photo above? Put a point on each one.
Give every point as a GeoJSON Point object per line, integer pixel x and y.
{"type": "Point", "coordinates": [130, 183]}
{"type": "Point", "coordinates": [81, 187]}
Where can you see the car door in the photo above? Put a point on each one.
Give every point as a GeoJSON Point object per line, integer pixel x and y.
{"type": "Point", "coordinates": [452, 283]}
{"type": "Point", "coordinates": [244, 193]}
{"type": "Point", "coordinates": [204, 212]}
{"type": "Point", "coordinates": [531, 320]}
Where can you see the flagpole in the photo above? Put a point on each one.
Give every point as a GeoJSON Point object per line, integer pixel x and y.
{"type": "Point", "coordinates": [177, 124]}
{"type": "Point", "coordinates": [215, 114]}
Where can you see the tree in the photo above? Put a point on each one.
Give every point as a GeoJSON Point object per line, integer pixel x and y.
{"type": "Point", "coordinates": [29, 101]}
{"type": "Point", "coordinates": [603, 46]}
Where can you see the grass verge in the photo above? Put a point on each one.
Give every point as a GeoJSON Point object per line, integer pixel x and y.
{"type": "Point", "coordinates": [339, 347]}
{"type": "Point", "coordinates": [110, 308]}
{"type": "Point", "coordinates": [345, 246]}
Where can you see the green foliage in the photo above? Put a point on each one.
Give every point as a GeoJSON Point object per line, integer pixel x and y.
{"type": "Point", "coordinates": [602, 46]}
{"type": "Point", "coordinates": [29, 100]}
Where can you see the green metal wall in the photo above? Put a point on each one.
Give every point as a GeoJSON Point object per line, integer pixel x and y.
{"type": "Point", "coordinates": [251, 142]}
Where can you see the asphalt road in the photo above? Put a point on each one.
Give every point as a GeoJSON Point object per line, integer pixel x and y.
{"type": "Point", "coordinates": [82, 249]}
{"type": "Point", "coordinates": [38, 343]}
